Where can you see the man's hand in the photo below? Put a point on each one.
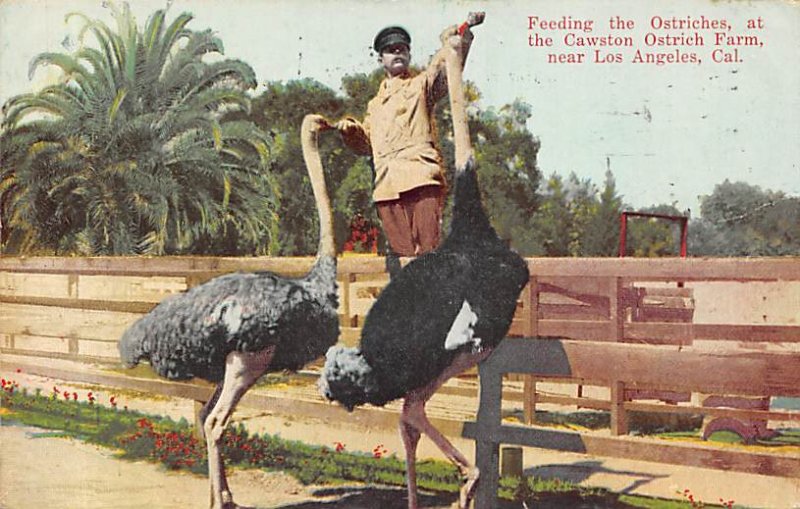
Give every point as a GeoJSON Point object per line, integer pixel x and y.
{"type": "Point", "coordinates": [354, 135]}
{"type": "Point", "coordinates": [347, 125]}
{"type": "Point", "coordinates": [454, 36]}
{"type": "Point", "coordinates": [450, 36]}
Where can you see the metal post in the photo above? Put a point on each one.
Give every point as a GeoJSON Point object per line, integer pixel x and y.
{"type": "Point", "coordinates": [623, 233]}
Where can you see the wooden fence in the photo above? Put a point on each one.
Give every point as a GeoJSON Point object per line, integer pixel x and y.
{"type": "Point", "coordinates": [717, 337]}
{"type": "Point", "coordinates": [77, 308]}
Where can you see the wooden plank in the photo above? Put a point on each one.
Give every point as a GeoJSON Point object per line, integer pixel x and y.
{"type": "Point", "coordinates": [665, 367]}
{"type": "Point", "coordinates": [182, 265]}
{"type": "Point", "coordinates": [748, 333]}
{"type": "Point", "coordinates": [98, 349]}
{"type": "Point", "coordinates": [596, 404]}
{"type": "Point", "coordinates": [530, 398]}
{"type": "Point", "coordinates": [64, 322]}
{"type": "Point", "coordinates": [46, 344]}
{"type": "Point", "coordinates": [638, 448]}
{"type": "Point", "coordinates": [530, 305]}
{"type": "Point", "coordinates": [589, 288]}
{"type": "Point", "coordinates": [129, 288]}
{"type": "Point", "coordinates": [349, 336]}
{"type": "Point", "coordinates": [636, 406]}
{"type": "Point", "coordinates": [571, 312]}
{"type": "Point", "coordinates": [97, 305]}
{"type": "Point", "coordinates": [619, 419]}
{"type": "Point", "coordinates": [592, 330]}
{"type": "Point", "coordinates": [363, 295]}
{"type": "Point", "coordinates": [34, 285]}
{"type": "Point", "coordinates": [344, 297]}
{"type": "Point", "coordinates": [662, 333]}
{"type": "Point", "coordinates": [653, 269]}
{"type": "Point", "coordinates": [671, 269]}
{"type": "Point", "coordinates": [771, 415]}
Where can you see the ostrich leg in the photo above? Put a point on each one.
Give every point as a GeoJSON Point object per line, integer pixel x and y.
{"type": "Point", "coordinates": [241, 372]}
{"type": "Point", "coordinates": [413, 417]}
{"type": "Point", "coordinates": [410, 436]}
{"type": "Point", "coordinates": [207, 409]}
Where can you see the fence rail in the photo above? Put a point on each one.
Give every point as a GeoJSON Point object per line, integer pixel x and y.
{"type": "Point", "coordinates": [722, 335]}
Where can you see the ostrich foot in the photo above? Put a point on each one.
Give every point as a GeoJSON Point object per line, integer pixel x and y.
{"type": "Point", "coordinates": [228, 503]}
{"type": "Point", "coordinates": [467, 491]}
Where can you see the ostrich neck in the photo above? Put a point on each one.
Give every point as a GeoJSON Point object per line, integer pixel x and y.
{"type": "Point", "coordinates": [455, 89]}
{"type": "Point", "coordinates": [310, 142]}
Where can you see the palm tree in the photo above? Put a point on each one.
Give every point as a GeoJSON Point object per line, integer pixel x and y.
{"type": "Point", "coordinates": [134, 151]}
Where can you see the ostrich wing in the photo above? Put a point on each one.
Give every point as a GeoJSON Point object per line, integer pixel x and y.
{"type": "Point", "coordinates": [404, 334]}
{"type": "Point", "coordinates": [190, 334]}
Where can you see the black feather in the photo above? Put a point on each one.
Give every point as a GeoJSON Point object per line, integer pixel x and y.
{"type": "Point", "coordinates": [402, 342]}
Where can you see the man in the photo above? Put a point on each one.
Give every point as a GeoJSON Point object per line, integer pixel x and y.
{"type": "Point", "coordinates": [399, 132]}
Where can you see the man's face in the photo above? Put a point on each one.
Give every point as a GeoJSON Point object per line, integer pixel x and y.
{"type": "Point", "coordinates": [395, 59]}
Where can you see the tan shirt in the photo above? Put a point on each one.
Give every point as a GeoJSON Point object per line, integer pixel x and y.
{"type": "Point", "coordinates": [399, 128]}
{"type": "Point", "coordinates": [399, 125]}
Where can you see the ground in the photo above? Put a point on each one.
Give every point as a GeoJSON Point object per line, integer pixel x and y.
{"type": "Point", "coordinates": [40, 469]}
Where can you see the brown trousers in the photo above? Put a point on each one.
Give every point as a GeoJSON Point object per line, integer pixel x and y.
{"type": "Point", "coordinates": [412, 222]}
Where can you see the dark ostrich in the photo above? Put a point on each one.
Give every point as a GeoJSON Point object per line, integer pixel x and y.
{"type": "Point", "coordinates": [234, 328]}
{"type": "Point", "coordinates": [440, 315]}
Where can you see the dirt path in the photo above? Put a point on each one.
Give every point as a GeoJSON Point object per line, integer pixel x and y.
{"type": "Point", "coordinates": [41, 469]}
{"type": "Point", "coordinates": [62, 472]}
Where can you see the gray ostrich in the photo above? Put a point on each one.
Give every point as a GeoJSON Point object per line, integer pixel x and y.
{"type": "Point", "coordinates": [234, 328]}
{"type": "Point", "coordinates": [440, 315]}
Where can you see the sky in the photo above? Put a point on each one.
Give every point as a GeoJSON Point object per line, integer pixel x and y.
{"type": "Point", "coordinates": [669, 133]}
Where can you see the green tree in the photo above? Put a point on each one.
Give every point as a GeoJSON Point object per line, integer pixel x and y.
{"type": "Point", "coordinates": [506, 153]}
{"type": "Point", "coordinates": [601, 235]}
{"type": "Point", "coordinates": [280, 110]}
{"type": "Point", "coordinates": [653, 237]}
{"type": "Point", "coordinates": [553, 220]}
{"type": "Point", "coordinates": [582, 203]}
{"type": "Point", "coordinates": [739, 219]}
{"type": "Point", "coordinates": [134, 151]}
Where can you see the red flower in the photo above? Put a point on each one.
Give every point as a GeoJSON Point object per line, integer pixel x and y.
{"type": "Point", "coordinates": [66, 395]}
{"type": "Point", "coordinates": [379, 451]}
{"type": "Point", "coordinates": [55, 390]}
{"type": "Point", "coordinates": [339, 446]}
{"type": "Point", "coordinates": [74, 396]}
{"type": "Point", "coordinates": [19, 370]}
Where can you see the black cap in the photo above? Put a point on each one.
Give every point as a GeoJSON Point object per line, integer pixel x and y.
{"type": "Point", "coordinates": [389, 36]}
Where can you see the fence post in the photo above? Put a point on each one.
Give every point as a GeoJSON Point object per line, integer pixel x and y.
{"type": "Point", "coordinates": [529, 396]}
{"type": "Point", "coordinates": [487, 440]}
{"type": "Point", "coordinates": [198, 431]}
{"type": "Point", "coordinates": [530, 313]}
{"type": "Point", "coordinates": [619, 420]}
{"type": "Point", "coordinates": [348, 277]}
